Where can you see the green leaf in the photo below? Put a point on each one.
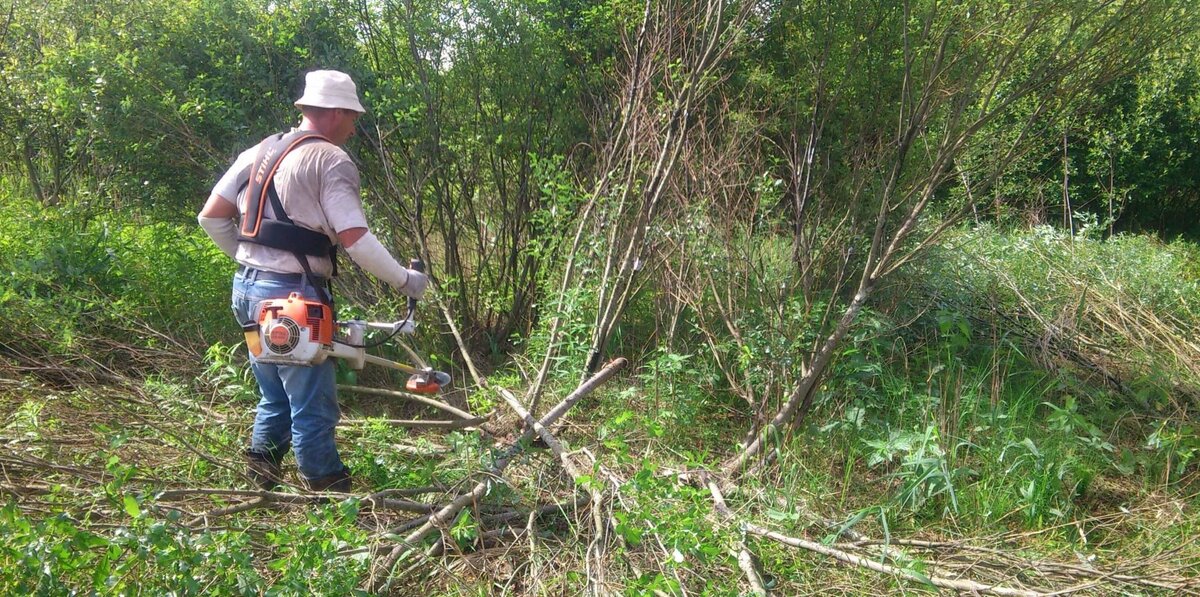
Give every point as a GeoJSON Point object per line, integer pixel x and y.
{"type": "Point", "coordinates": [131, 507]}
{"type": "Point", "coordinates": [919, 577]}
{"type": "Point", "coordinates": [781, 516]}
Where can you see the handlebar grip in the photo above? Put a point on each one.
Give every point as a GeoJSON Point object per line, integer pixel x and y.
{"type": "Point", "coordinates": [418, 265]}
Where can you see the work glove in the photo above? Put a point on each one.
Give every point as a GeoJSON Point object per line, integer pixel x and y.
{"type": "Point", "coordinates": [415, 285]}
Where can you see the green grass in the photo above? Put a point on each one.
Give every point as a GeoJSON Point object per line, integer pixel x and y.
{"type": "Point", "coordinates": [948, 415]}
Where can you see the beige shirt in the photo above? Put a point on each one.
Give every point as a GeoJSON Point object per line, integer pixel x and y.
{"type": "Point", "coordinates": [318, 187]}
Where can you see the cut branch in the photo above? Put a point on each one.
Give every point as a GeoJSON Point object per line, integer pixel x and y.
{"type": "Point", "coordinates": [381, 576]}
{"type": "Point", "coordinates": [442, 406]}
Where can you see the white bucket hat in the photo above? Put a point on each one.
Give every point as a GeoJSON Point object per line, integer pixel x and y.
{"type": "Point", "coordinates": [330, 89]}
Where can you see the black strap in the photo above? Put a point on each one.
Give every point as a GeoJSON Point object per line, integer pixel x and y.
{"type": "Point", "coordinates": [281, 232]}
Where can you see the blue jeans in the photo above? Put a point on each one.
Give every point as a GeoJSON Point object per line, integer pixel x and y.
{"type": "Point", "coordinates": [298, 408]}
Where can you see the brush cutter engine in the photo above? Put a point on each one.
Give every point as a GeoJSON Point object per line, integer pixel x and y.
{"type": "Point", "coordinates": [300, 332]}
{"type": "Point", "coordinates": [291, 331]}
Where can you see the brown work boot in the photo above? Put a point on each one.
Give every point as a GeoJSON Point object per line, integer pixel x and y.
{"type": "Point", "coordinates": [339, 481]}
{"type": "Point", "coordinates": [264, 470]}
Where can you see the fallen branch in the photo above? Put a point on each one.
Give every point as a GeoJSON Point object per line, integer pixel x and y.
{"type": "Point", "coordinates": [407, 491]}
{"type": "Point", "coordinates": [1177, 585]}
{"type": "Point", "coordinates": [461, 414]}
{"type": "Point", "coordinates": [267, 499]}
{"type": "Point", "coordinates": [259, 502]}
{"type": "Point", "coordinates": [967, 586]}
{"type": "Point", "coordinates": [745, 558]}
{"type": "Point", "coordinates": [459, 424]}
{"type": "Point", "coordinates": [596, 547]}
{"type": "Point", "coordinates": [506, 517]}
{"type": "Point", "coordinates": [381, 576]}
{"type": "Point", "coordinates": [746, 562]}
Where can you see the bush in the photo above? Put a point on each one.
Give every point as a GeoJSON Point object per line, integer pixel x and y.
{"type": "Point", "coordinates": [100, 285]}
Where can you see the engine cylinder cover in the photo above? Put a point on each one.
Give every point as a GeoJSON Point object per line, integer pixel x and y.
{"type": "Point", "coordinates": [295, 331]}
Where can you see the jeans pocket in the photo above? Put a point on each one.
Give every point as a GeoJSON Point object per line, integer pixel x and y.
{"type": "Point", "coordinates": [237, 303]}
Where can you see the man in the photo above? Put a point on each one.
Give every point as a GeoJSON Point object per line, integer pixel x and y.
{"type": "Point", "coordinates": [316, 186]}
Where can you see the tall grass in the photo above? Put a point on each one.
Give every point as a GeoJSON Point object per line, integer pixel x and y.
{"type": "Point", "coordinates": [1022, 379]}
{"type": "Point", "coordinates": [86, 284]}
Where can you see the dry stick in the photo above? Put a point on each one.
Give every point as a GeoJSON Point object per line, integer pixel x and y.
{"type": "Point", "coordinates": [406, 525]}
{"type": "Point", "coordinates": [967, 586]}
{"type": "Point", "coordinates": [406, 492]}
{"type": "Point", "coordinates": [459, 424]}
{"type": "Point", "coordinates": [377, 499]}
{"type": "Point", "coordinates": [745, 558]}
{"type": "Point", "coordinates": [531, 534]}
{"type": "Point", "coordinates": [599, 524]}
{"type": "Point", "coordinates": [1044, 566]}
{"type": "Point", "coordinates": [410, 397]}
{"type": "Point", "coordinates": [464, 353]}
{"type": "Point", "coordinates": [506, 517]}
{"type": "Point", "coordinates": [550, 417]}
{"type": "Point", "coordinates": [957, 585]}
{"type": "Point", "coordinates": [746, 562]}
{"type": "Point", "coordinates": [458, 339]}
{"type": "Point", "coordinates": [483, 541]}
{"type": "Point", "coordinates": [259, 502]}
{"type": "Point", "coordinates": [172, 494]}
{"type": "Point", "coordinates": [447, 513]}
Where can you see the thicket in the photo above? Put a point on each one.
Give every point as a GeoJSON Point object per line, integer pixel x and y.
{"type": "Point", "coordinates": [980, 398]}
{"type": "Point", "coordinates": [866, 261]}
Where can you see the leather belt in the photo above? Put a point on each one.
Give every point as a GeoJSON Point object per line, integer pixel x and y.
{"type": "Point", "coordinates": [261, 274]}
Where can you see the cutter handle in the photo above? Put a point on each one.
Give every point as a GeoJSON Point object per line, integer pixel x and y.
{"type": "Point", "coordinates": [415, 264]}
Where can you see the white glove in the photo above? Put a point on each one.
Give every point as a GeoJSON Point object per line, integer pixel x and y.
{"type": "Point", "coordinates": [223, 232]}
{"type": "Point", "coordinates": [370, 255]}
{"type": "Point", "coordinates": [417, 283]}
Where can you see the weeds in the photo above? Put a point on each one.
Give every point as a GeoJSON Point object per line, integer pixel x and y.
{"type": "Point", "coordinates": [973, 403]}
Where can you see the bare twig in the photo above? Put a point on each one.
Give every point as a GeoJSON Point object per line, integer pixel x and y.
{"type": "Point", "coordinates": [411, 398]}
{"type": "Point", "coordinates": [381, 575]}
{"type": "Point", "coordinates": [458, 424]}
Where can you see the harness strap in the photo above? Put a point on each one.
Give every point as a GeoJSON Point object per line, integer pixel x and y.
{"type": "Point", "coordinates": [262, 181]}
{"type": "Point", "coordinates": [281, 232]}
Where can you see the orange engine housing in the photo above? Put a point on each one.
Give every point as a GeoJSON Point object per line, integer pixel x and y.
{"type": "Point", "coordinates": [293, 330]}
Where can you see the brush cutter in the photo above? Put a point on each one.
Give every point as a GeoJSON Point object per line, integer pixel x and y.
{"type": "Point", "coordinates": [298, 331]}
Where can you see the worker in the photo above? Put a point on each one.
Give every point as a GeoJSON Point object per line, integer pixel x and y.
{"type": "Point", "coordinates": [283, 230]}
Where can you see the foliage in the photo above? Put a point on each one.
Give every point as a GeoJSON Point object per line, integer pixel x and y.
{"type": "Point", "coordinates": [78, 278]}
{"type": "Point", "coordinates": [1006, 377]}
{"type": "Point", "coordinates": [477, 104]}
{"type": "Point", "coordinates": [674, 517]}
{"type": "Point", "coordinates": [59, 554]}
{"type": "Point", "coordinates": [1058, 297]}
{"type": "Point", "coordinates": [972, 404]}
{"type": "Point", "coordinates": [139, 104]}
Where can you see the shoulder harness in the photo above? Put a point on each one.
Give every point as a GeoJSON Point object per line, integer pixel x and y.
{"type": "Point", "coordinates": [280, 232]}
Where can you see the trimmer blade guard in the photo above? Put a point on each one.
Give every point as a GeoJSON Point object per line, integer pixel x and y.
{"type": "Point", "coordinates": [429, 382]}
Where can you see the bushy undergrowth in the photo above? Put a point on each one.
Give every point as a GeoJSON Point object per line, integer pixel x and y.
{"type": "Point", "coordinates": [85, 281]}
{"type": "Point", "coordinates": [1124, 307]}
{"type": "Point", "coordinates": [1021, 379]}
{"type": "Point", "coordinates": [949, 411]}
{"type": "Point", "coordinates": [1010, 382]}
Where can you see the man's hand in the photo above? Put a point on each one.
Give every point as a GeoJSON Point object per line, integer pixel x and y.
{"type": "Point", "coordinates": [415, 285]}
